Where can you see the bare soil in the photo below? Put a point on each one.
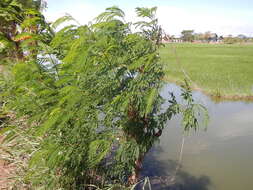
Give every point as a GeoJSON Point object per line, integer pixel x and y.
{"type": "Point", "coordinates": [6, 171]}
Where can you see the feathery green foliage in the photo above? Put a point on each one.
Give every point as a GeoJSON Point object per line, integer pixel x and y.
{"type": "Point", "coordinates": [91, 102]}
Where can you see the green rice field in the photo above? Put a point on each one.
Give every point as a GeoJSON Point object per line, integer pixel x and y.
{"type": "Point", "coordinates": [217, 69]}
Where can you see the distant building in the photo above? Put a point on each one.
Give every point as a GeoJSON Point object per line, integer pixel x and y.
{"type": "Point", "coordinates": [220, 39]}
{"type": "Point", "coordinates": [208, 37]}
{"type": "Point", "coordinates": [213, 37]}
{"type": "Point", "coordinates": [172, 39]}
{"type": "Point", "coordinates": [242, 36]}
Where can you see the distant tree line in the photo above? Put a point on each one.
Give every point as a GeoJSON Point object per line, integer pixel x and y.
{"type": "Point", "coordinates": [208, 37]}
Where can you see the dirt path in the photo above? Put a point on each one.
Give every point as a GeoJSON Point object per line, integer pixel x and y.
{"type": "Point", "coordinates": [5, 172]}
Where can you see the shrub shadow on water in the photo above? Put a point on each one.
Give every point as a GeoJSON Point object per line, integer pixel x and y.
{"type": "Point", "coordinates": [162, 175]}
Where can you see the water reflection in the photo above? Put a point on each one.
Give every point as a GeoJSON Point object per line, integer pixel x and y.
{"type": "Point", "coordinates": [162, 177]}
{"type": "Point", "coordinates": [217, 159]}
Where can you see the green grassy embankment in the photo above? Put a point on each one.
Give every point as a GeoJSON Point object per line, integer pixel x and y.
{"type": "Point", "coordinates": [217, 69]}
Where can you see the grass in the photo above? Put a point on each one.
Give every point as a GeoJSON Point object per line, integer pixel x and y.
{"type": "Point", "coordinates": [217, 69]}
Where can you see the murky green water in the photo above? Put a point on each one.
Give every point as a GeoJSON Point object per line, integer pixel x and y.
{"type": "Point", "coordinates": [220, 158]}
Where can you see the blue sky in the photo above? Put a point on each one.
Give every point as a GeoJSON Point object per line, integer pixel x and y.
{"type": "Point", "coordinates": [221, 16]}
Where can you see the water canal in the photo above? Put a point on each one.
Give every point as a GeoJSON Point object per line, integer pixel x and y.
{"type": "Point", "coordinates": [220, 158]}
